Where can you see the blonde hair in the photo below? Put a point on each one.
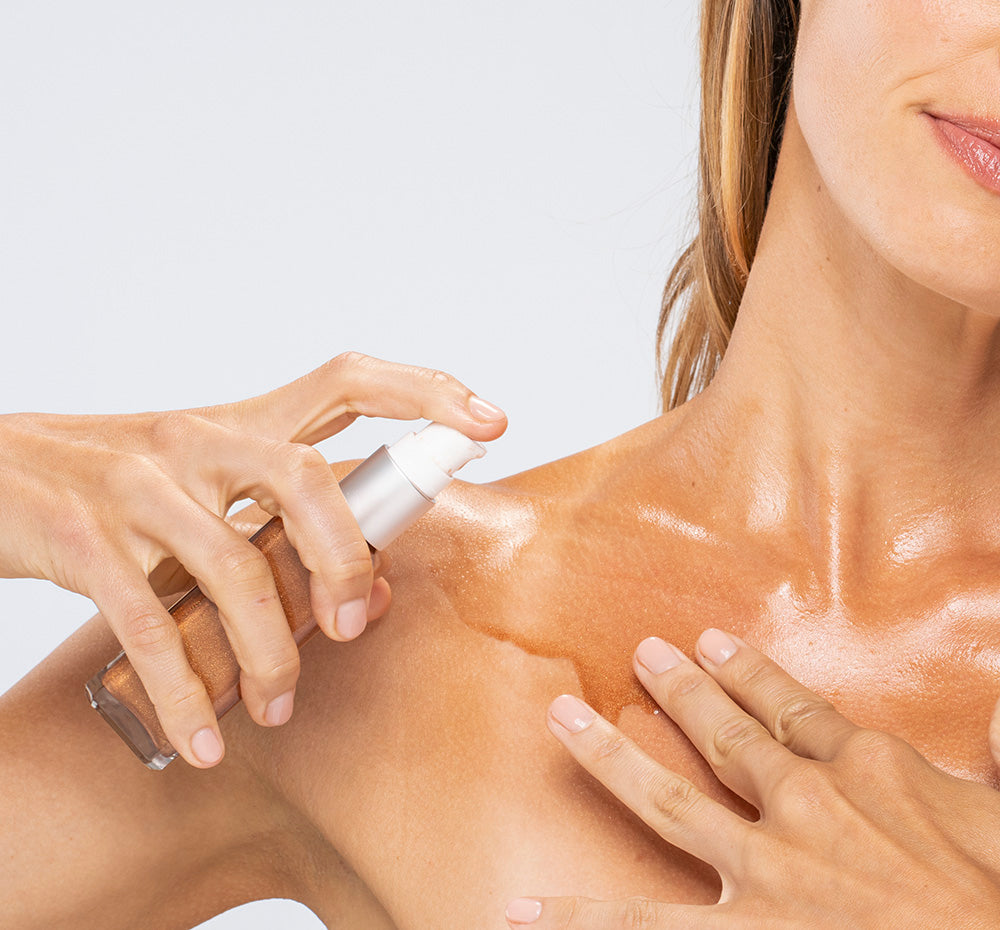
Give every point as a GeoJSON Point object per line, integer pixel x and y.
{"type": "Point", "coordinates": [747, 48]}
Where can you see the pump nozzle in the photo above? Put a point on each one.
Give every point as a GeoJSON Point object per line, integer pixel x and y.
{"type": "Point", "coordinates": [398, 483]}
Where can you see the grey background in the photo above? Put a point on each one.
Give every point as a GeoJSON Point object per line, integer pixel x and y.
{"type": "Point", "coordinates": [202, 201]}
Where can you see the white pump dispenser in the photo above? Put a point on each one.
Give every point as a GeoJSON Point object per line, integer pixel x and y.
{"type": "Point", "coordinates": [398, 483]}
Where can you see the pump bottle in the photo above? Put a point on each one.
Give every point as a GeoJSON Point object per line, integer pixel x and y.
{"type": "Point", "coordinates": [386, 493]}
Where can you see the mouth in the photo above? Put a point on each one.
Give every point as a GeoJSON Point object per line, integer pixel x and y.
{"type": "Point", "coordinates": [974, 143]}
{"type": "Point", "coordinates": [986, 129]}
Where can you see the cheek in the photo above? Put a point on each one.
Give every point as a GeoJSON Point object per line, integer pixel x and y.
{"type": "Point", "coordinates": [863, 73]}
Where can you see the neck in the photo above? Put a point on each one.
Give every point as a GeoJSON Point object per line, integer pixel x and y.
{"type": "Point", "coordinates": [854, 407]}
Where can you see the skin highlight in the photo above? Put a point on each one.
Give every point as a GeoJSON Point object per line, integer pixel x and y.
{"type": "Point", "coordinates": [830, 498]}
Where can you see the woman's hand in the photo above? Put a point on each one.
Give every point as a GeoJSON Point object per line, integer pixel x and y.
{"type": "Point", "coordinates": [856, 828]}
{"type": "Point", "coordinates": [96, 503]}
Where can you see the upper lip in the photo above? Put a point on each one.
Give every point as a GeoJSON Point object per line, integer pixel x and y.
{"type": "Point", "coordinates": [983, 128]}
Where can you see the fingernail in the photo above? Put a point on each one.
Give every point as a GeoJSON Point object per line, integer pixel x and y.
{"type": "Point", "coordinates": [352, 617]}
{"type": "Point", "coordinates": [716, 646]}
{"type": "Point", "coordinates": [280, 709]}
{"type": "Point", "coordinates": [657, 656]}
{"type": "Point", "coordinates": [571, 712]}
{"type": "Point", "coordinates": [524, 911]}
{"type": "Point", "coordinates": [206, 746]}
{"type": "Point", "coordinates": [484, 410]}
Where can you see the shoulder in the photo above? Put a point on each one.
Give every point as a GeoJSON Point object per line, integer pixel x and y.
{"type": "Point", "coordinates": [427, 733]}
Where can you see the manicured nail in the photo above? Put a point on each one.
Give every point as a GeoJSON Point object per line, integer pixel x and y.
{"type": "Point", "coordinates": [352, 618]}
{"type": "Point", "coordinates": [524, 911]}
{"type": "Point", "coordinates": [571, 712]}
{"type": "Point", "coordinates": [280, 709]}
{"type": "Point", "coordinates": [484, 410]}
{"type": "Point", "coordinates": [657, 656]}
{"type": "Point", "coordinates": [206, 746]}
{"type": "Point", "coordinates": [716, 646]}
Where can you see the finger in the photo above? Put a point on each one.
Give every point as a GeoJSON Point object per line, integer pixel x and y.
{"type": "Point", "coordinates": [295, 482]}
{"type": "Point", "coordinates": [803, 721]}
{"type": "Point", "coordinates": [325, 534]}
{"type": "Point", "coordinates": [236, 576]}
{"type": "Point", "coordinates": [332, 396]}
{"type": "Point", "coordinates": [670, 804]}
{"type": "Point", "coordinates": [628, 914]}
{"type": "Point", "coordinates": [150, 638]}
{"type": "Point", "coordinates": [378, 602]}
{"type": "Point", "coordinates": [742, 753]}
{"type": "Point", "coordinates": [381, 599]}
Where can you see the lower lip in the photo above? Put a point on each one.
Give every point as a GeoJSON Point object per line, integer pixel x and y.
{"type": "Point", "coordinates": [980, 159]}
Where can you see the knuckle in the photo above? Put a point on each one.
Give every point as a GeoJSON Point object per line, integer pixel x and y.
{"type": "Point", "coordinates": [438, 381]}
{"type": "Point", "coordinates": [181, 699]}
{"type": "Point", "coordinates": [611, 748]}
{"type": "Point", "coordinates": [246, 565]}
{"type": "Point", "coordinates": [352, 568]}
{"type": "Point", "coordinates": [349, 360]}
{"type": "Point", "coordinates": [673, 800]}
{"type": "Point", "coordinates": [165, 428]}
{"type": "Point", "coordinates": [750, 677]}
{"type": "Point", "coordinates": [126, 469]}
{"type": "Point", "coordinates": [793, 715]}
{"type": "Point", "coordinates": [79, 536]}
{"type": "Point", "coordinates": [349, 369]}
{"type": "Point", "coordinates": [639, 914]}
{"type": "Point", "coordinates": [305, 466]}
{"type": "Point", "coordinates": [148, 633]}
{"type": "Point", "coordinates": [686, 682]}
{"type": "Point", "coordinates": [806, 791]}
{"type": "Point", "coordinates": [280, 671]}
{"type": "Point", "coordinates": [867, 749]}
{"type": "Point", "coordinates": [729, 738]}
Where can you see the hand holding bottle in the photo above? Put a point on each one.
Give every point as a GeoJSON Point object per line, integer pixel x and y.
{"type": "Point", "coordinates": [96, 503]}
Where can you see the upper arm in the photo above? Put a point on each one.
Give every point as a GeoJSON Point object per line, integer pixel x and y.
{"type": "Point", "coordinates": [92, 838]}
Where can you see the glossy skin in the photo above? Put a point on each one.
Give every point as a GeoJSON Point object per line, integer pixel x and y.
{"type": "Point", "coordinates": [831, 498]}
{"type": "Point", "coordinates": [101, 503]}
{"type": "Point", "coordinates": [874, 835]}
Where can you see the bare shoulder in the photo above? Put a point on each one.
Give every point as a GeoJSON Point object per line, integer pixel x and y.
{"type": "Point", "coordinates": [427, 734]}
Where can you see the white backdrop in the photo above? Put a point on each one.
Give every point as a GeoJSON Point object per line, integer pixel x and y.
{"type": "Point", "coordinates": [202, 201]}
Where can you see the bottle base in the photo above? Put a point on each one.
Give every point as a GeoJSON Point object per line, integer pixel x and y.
{"type": "Point", "coordinates": [127, 726]}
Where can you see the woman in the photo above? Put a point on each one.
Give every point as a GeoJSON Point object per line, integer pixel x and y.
{"type": "Point", "coordinates": [828, 498]}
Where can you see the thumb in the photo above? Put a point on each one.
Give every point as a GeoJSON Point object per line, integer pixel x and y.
{"type": "Point", "coordinates": [329, 398]}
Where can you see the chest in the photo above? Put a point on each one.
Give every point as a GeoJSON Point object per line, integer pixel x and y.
{"type": "Point", "coordinates": [921, 660]}
{"type": "Point", "coordinates": [445, 792]}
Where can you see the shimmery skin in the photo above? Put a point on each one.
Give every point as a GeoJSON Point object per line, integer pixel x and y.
{"type": "Point", "coordinates": [564, 566]}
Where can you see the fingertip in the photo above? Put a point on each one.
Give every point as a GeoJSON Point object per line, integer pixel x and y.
{"type": "Point", "coordinates": [570, 713]}
{"type": "Point", "coordinates": [207, 748]}
{"type": "Point", "coordinates": [489, 422]}
{"type": "Point", "coordinates": [381, 599]}
{"type": "Point", "coordinates": [351, 618]}
{"type": "Point", "coordinates": [716, 646]}
{"type": "Point", "coordinates": [484, 411]}
{"type": "Point", "coordinates": [279, 710]}
{"type": "Point", "coordinates": [522, 911]}
{"type": "Point", "coordinates": [656, 656]}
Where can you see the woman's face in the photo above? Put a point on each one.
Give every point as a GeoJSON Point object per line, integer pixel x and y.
{"type": "Point", "coordinates": [867, 74]}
